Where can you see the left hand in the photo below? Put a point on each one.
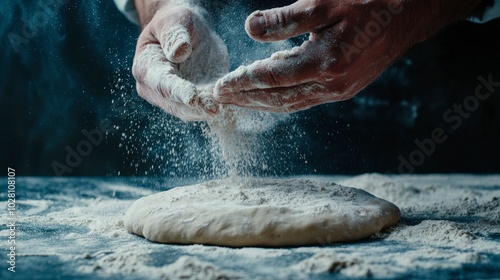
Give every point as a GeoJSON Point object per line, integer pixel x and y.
{"type": "Point", "coordinates": [351, 43]}
{"type": "Point", "coordinates": [178, 58]}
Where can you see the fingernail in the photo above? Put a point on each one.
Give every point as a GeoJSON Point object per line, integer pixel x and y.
{"type": "Point", "coordinates": [180, 51]}
{"type": "Point", "coordinates": [212, 107]}
{"type": "Point", "coordinates": [257, 25]}
{"type": "Point", "coordinates": [177, 44]}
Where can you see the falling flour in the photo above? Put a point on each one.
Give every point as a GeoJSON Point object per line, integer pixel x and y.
{"type": "Point", "coordinates": [233, 133]}
{"type": "Point", "coordinates": [249, 212]}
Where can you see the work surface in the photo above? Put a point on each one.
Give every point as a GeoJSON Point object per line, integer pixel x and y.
{"type": "Point", "coordinates": [72, 228]}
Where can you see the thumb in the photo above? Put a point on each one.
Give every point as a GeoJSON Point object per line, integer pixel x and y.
{"type": "Point", "coordinates": [282, 23]}
{"type": "Point", "coordinates": [176, 33]}
{"type": "Point", "coordinates": [177, 44]}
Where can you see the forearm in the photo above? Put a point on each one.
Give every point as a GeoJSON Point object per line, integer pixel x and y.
{"type": "Point", "coordinates": [455, 10]}
{"type": "Point", "coordinates": [421, 19]}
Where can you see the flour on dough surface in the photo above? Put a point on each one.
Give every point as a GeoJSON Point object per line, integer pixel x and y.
{"type": "Point", "coordinates": [260, 212]}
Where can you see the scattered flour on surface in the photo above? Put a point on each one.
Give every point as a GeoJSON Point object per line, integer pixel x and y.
{"type": "Point", "coordinates": [437, 232]}
{"type": "Point", "coordinates": [330, 263]}
{"type": "Point", "coordinates": [132, 262]}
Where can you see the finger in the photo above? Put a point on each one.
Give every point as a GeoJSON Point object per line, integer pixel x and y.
{"type": "Point", "coordinates": [315, 102]}
{"type": "Point", "coordinates": [151, 68]}
{"type": "Point", "coordinates": [302, 105]}
{"type": "Point", "coordinates": [173, 89]}
{"type": "Point", "coordinates": [180, 110]}
{"type": "Point", "coordinates": [308, 96]}
{"type": "Point", "coordinates": [284, 69]}
{"type": "Point", "coordinates": [278, 99]}
{"type": "Point", "coordinates": [176, 44]}
{"type": "Point", "coordinates": [185, 113]}
{"type": "Point", "coordinates": [298, 18]}
{"type": "Point", "coordinates": [154, 72]}
{"type": "Point", "coordinates": [176, 33]}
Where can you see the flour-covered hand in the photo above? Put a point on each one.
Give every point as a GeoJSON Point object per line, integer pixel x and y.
{"type": "Point", "coordinates": [176, 54]}
{"type": "Point", "coordinates": [351, 43]}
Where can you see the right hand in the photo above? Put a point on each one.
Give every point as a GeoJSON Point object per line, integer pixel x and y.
{"type": "Point", "coordinates": [176, 53]}
{"type": "Point", "coordinates": [351, 43]}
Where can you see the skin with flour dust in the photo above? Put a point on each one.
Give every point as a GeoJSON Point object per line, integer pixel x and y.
{"type": "Point", "coordinates": [178, 60]}
{"type": "Point", "coordinates": [350, 44]}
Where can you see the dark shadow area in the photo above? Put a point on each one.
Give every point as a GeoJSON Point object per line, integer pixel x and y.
{"type": "Point", "coordinates": [73, 73]}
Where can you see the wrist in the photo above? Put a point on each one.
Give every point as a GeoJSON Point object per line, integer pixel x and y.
{"type": "Point", "coordinates": [422, 19]}
{"type": "Point", "coordinates": [445, 12]}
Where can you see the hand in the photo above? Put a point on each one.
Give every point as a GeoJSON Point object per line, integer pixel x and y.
{"type": "Point", "coordinates": [177, 56]}
{"type": "Point", "coordinates": [351, 43]}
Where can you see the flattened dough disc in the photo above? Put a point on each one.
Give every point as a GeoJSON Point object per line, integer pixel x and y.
{"type": "Point", "coordinates": [260, 212]}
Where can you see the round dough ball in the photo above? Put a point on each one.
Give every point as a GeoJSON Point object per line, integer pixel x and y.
{"type": "Point", "coordinates": [260, 212]}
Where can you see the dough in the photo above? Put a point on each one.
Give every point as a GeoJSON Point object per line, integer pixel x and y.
{"type": "Point", "coordinates": [260, 212]}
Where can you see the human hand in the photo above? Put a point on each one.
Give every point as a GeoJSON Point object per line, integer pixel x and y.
{"type": "Point", "coordinates": [177, 58]}
{"type": "Point", "coordinates": [351, 43]}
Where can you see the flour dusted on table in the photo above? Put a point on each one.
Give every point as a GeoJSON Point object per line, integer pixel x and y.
{"type": "Point", "coordinates": [450, 223]}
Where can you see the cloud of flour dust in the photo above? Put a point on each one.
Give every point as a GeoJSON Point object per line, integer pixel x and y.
{"type": "Point", "coordinates": [240, 142]}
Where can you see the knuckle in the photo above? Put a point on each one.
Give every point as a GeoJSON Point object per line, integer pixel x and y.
{"type": "Point", "coordinates": [160, 90]}
{"type": "Point", "coordinates": [276, 21]}
{"type": "Point", "coordinates": [182, 12]}
{"type": "Point", "coordinates": [281, 18]}
{"type": "Point", "coordinates": [179, 15]}
{"type": "Point", "coordinates": [321, 8]}
{"type": "Point", "coordinates": [138, 72]}
{"type": "Point", "coordinates": [316, 8]}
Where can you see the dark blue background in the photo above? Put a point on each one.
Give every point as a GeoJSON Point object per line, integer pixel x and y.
{"type": "Point", "coordinates": [75, 72]}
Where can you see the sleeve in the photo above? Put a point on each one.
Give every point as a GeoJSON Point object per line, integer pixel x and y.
{"type": "Point", "coordinates": [489, 12]}
{"type": "Point", "coordinates": [127, 7]}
